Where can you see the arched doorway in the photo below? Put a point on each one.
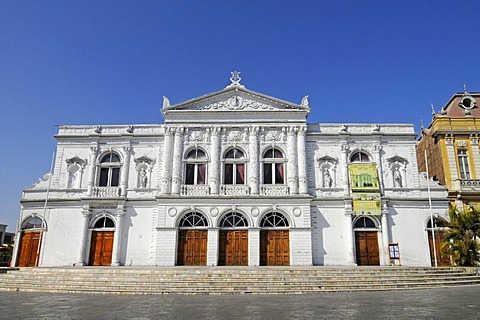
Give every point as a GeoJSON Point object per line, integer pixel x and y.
{"type": "Point", "coordinates": [31, 242]}
{"type": "Point", "coordinates": [233, 240]}
{"type": "Point", "coordinates": [192, 240]}
{"type": "Point", "coordinates": [101, 247]}
{"type": "Point", "coordinates": [274, 240]}
{"type": "Point", "coordinates": [439, 234]}
{"type": "Point", "coordinates": [366, 242]}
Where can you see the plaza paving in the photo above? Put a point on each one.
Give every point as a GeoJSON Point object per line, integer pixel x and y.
{"type": "Point", "coordinates": [439, 303]}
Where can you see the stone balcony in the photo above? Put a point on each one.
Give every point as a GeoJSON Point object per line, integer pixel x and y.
{"type": "Point", "coordinates": [274, 190]}
{"type": "Point", "coordinates": [234, 190]}
{"type": "Point", "coordinates": [470, 185]}
{"type": "Point", "coordinates": [106, 192]}
{"type": "Point", "coordinates": [195, 190]}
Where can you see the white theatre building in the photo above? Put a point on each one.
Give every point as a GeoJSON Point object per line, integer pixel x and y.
{"type": "Point", "coordinates": [234, 177]}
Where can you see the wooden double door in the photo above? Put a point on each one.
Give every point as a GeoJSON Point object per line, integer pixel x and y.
{"type": "Point", "coordinates": [274, 248]}
{"type": "Point", "coordinates": [233, 248]}
{"type": "Point", "coordinates": [367, 248]}
{"type": "Point", "coordinates": [192, 247]}
{"type": "Point", "coordinates": [101, 248]}
{"type": "Point", "coordinates": [29, 248]}
{"type": "Point", "coordinates": [442, 261]}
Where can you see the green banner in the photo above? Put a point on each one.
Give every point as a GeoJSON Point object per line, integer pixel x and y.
{"type": "Point", "coordinates": [367, 204]}
{"type": "Point", "coordinates": [364, 177]}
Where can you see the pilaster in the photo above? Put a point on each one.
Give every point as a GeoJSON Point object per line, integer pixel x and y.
{"type": "Point", "coordinates": [344, 164]}
{"type": "Point", "coordinates": [349, 233]}
{"type": "Point", "coordinates": [254, 246]}
{"type": "Point", "coordinates": [292, 172]}
{"type": "Point", "coordinates": [86, 213]}
{"type": "Point", "coordinates": [476, 154]}
{"type": "Point", "coordinates": [254, 165]}
{"type": "Point", "coordinates": [302, 161]}
{"type": "Point", "coordinates": [125, 170]}
{"type": "Point", "coordinates": [92, 167]}
{"type": "Point", "coordinates": [177, 161]}
{"type": "Point", "coordinates": [212, 246]}
{"type": "Point", "coordinates": [214, 170]}
{"type": "Point", "coordinates": [167, 162]}
{"type": "Point", "coordinates": [377, 148]}
{"type": "Point", "coordinates": [117, 244]}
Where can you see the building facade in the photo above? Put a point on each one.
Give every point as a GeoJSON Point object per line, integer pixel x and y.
{"type": "Point", "coordinates": [234, 177]}
{"type": "Point", "coordinates": [453, 153]}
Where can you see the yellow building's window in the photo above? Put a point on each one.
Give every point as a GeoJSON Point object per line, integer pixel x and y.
{"type": "Point", "coordinates": [463, 164]}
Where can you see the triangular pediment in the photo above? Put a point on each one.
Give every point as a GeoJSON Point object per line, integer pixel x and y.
{"type": "Point", "coordinates": [235, 98]}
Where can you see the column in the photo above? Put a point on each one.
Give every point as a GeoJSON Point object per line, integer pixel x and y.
{"type": "Point", "coordinates": [385, 237]}
{"type": "Point", "coordinates": [214, 170]}
{"type": "Point", "coordinates": [254, 165]}
{"type": "Point", "coordinates": [167, 162]}
{"type": "Point", "coordinates": [212, 246]}
{"type": "Point", "coordinates": [292, 171]}
{"type": "Point", "coordinates": [91, 172]}
{"type": "Point", "coordinates": [254, 246]}
{"type": "Point", "coordinates": [177, 161]}
{"type": "Point", "coordinates": [344, 164]}
{"type": "Point", "coordinates": [117, 244]}
{"type": "Point", "coordinates": [349, 237]}
{"type": "Point", "coordinates": [302, 161]}
{"type": "Point", "coordinates": [125, 170]}
{"type": "Point", "coordinates": [452, 162]}
{"type": "Point", "coordinates": [476, 155]}
{"type": "Point", "coordinates": [377, 148]}
{"type": "Point", "coordinates": [86, 213]}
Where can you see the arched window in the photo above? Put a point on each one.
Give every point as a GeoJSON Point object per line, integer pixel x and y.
{"type": "Point", "coordinates": [234, 172]}
{"type": "Point", "coordinates": [193, 220]}
{"type": "Point", "coordinates": [233, 220]}
{"type": "Point", "coordinates": [359, 156]}
{"type": "Point", "coordinates": [196, 167]}
{"type": "Point", "coordinates": [33, 223]}
{"type": "Point", "coordinates": [274, 220]}
{"type": "Point", "coordinates": [364, 223]}
{"type": "Point", "coordinates": [103, 223]}
{"type": "Point", "coordinates": [273, 167]}
{"type": "Point", "coordinates": [109, 170]}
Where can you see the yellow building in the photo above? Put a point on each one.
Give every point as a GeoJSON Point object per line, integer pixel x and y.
{"type": "Point", "coordinates": [451, 142]}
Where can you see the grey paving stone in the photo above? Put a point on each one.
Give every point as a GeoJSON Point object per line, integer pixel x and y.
{"type": "Point", "coordinates": [439, 303]}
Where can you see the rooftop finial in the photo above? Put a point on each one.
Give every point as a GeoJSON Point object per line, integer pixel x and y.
{"type": "Point", "coordinates": [421, 124]}
{"type": "Point", "coordinates": [235, 78]}
{"type": "Point", "coordinates": [465, 89]}
{"type": "Point", "coordinates": [433, 109]}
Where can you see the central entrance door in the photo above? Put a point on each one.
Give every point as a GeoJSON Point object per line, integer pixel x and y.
{"type": "Point", "coordinates": [367, 248]}
{"type": "Point", "coordinates": [29, 248]}
{"type": "Point", "coordinates": [101, 248]}
{"type": "Point", "coordinates": [233, 248]}
{"type": "Point", "coordinates": [192, 247]}
{"type": "Point", "coordinates": [366, 242]}
{"type": "Point", "coordinates": [233, 242]}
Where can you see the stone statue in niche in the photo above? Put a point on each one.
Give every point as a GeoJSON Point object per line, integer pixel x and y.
{"type": "Point", "coordinates": [327, 178]}
{"type": "Point", "coordinates": [143, 178]}
{"type": "Point", "coordinates": [397, 178]}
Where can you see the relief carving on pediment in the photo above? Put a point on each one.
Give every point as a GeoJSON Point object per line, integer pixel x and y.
{"type": "Point", "coordinates": [235, 103]}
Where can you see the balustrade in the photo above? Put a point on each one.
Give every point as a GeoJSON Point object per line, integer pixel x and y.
{"type": "Point", "coordinates": [470, 185]}
{"type": "Point", "coordinates": [195, 190]}
{"type": "Point", "coordinates": [274, 190]}
{"type": "Point", "coordinates": [235, 190]}
{"type": "Point", "coordinates": [106, 192]}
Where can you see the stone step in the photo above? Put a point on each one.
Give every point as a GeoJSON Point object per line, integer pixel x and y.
{"type": "Point", "coordinates": [166, 278]}
{"type": "Point", "coordinates": [236, 290]}
{"type": "Point", "coordinates": [208, 280]}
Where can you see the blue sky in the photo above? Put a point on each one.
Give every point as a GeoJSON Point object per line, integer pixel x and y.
{"type": "Point", "coordinates": [110, 62]}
